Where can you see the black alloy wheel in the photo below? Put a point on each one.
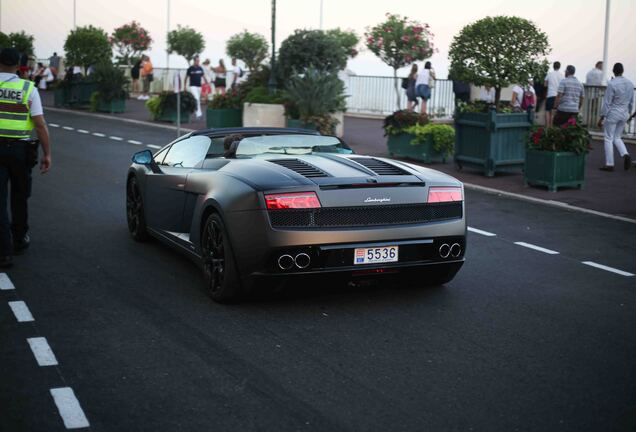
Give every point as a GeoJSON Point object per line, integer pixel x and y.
{"type": "Point", "coordinates": [135, 211]}
{"type": "Point", "coordinates": [219, 268]}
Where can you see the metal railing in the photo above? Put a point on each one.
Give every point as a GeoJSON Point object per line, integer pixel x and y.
{"type": "Point", "coordinates": [591, 110]}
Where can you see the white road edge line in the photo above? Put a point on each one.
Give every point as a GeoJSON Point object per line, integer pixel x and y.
{"type": "Point", "coordinates": [607, 268]}
{"type": "Point", "coordinates": [54, 125]}
{"type": "Point", "coordinates": [484, 233]}
{"type": "Point", "coordinates": [537, 248]}
{"type": "Point", "coordinates": [153, 146]}
{"type": "Point", "coordinates": [97, 134]}
{"type": "Point", "coordinates": [21, 311]}
{"type": "Point", "coordinates": [5, 282]}
{"type": "Point", "coordinates": [68, 128]}
{"type": "Point", "coordinates": [135, 142]}
{"type": "Point", "coordinates": [116, 138]}
{"type": "Point", "coordinates": [42, 351]}
{"type": "Point", "coordinates": [69, 408]}
{"type": "Point", "coordinates": [84, 131]}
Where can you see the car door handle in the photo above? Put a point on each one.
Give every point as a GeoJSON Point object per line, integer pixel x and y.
{"type": "Point", "coordinates": [181, 185]}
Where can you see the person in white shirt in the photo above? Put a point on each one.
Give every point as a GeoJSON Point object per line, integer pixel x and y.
{"type": "Point", "coordinates": [595, 76]}
{"type": "Point", "coordinates": [233, 74]}
{"type": "Point", "coordinates": [552, 80]}
{"type": "Point", "coordinates": [487, 94]}
{"type": "Point", "coordinates": [518, 93]}
{"type": "Point", "coordinates": [424, 83]}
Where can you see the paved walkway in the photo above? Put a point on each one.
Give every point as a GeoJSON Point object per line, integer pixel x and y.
{"type": "Point", "coordinates": [613, 193]}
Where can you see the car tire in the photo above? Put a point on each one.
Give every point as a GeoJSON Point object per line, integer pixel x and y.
{"type": "Point", "coordinates": [135, 215]}
{"type": "Point", "coordinates": [219, 268]}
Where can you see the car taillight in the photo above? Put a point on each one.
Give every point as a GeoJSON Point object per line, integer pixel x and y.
{"type": "Point", "coordinates": [438, 194]}
{"type": "Point", "coordinates": [298, 200]}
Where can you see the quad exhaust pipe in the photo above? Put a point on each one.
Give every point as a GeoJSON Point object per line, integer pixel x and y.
{"type": "Point", "coordinates": [287, 262]}
{"type": "Point", "coordinates": [447, 250]}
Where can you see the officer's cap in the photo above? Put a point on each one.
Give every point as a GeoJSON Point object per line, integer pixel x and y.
{"type": "Point", "coordinates": [9, 57]}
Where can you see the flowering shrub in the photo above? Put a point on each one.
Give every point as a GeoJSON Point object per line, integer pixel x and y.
{"type": "Point", "coordinates": [569, 137]}
{"type": "Point", "coordinates": [401, 120]}
{"type": "Point", "coordinates": [399, 42]}
{"type": "Point", "coordinates": [130, 40]}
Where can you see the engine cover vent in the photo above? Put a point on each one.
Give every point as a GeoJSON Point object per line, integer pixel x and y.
{"type": "Point", "coordinates": [301, 167]}
{"type": "Point", "coordinates": [379, 166]}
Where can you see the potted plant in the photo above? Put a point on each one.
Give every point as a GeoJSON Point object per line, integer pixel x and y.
{"type": "Point", "coordinates": [225, 110]}
{"type": "Point", "coordinates": [164, 106]}
{"type": "Point", "coordinates": [110, 95]}
{"type": "Point", "coordinates": [493, 137]}
{"type": "Point", "coordinates": [431, 142]}
{"type": "Point", "coordinates": [399, 140]}
{"type": "Point", "coordinates": [555, 156]}
{"type": "Point", "coordinates": [262, 108]}
{"type": "Point", "coordinates": [314, 98]}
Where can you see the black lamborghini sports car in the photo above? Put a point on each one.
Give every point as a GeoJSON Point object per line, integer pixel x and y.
{"type": "Point", "coordinates": [271, 203]}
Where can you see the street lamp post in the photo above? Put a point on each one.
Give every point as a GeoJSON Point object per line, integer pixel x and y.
{"type": "Point", "coordinates": [606, 41]}
{"type": "Point", "coordinates": [272, 73]}
{"type": "Point", "coordinates": [321, 14]}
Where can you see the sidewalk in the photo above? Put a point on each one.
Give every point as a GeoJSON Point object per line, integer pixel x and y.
{"type": "Point", "coordinates": [607, 192]}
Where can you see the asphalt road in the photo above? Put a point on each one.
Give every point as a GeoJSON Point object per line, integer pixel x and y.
{"type": "Point", "coordinates": [522, 339]}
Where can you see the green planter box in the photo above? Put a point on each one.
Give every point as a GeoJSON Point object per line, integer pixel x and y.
{"type": "Point", "coordinates": [79, 94]}
{"type": "Point", "coordinates": [299, 124]}
{"type": "Point", "coordinates": [170, 115]}
{"type": "Point", "coordinates": [554, 169]}
{"type": "Point", "coordinates": [114, 106]}
{"type": "Point", "coordinates": [222, 118]}
{"type": "Point", "coordinates": [60, 97]}
{"type": "Point", "coordinates": [400, 145]}
{"type": "Point", "coordinates": [491, 141]}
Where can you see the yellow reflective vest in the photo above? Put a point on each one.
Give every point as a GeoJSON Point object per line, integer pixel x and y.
{"type": "Point", "coordinates": [15, 117]}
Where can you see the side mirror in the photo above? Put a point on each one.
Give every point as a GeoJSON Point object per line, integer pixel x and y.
{"type": "Point", "coordinates": [143, 157]}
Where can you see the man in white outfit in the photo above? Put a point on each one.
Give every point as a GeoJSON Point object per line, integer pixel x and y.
{"type": "Point", "coordinates": [617, 107]}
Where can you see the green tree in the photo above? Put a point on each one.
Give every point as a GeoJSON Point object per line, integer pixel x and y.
{"type": "Point", "coordinates": [347, 40]}
{"type": "Point", "coordinates": [22, 42]}
{"type": "Point", "coordinates": [398, 42]}
{"type": "Point", "coordinates": [130, 40]}
{"type": "Point", "coordinates": [186, 42]}
{"type": "Point", "coordinates": [5, 42]}
{"type": "Point", "coordinates": [87, 46]}
{"type": "Point", "coordinates": [252, 48]}
{"type": "Point", "coordinates": [498, 51]}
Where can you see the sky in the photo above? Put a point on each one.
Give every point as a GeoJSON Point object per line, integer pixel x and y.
{"type": "Point", "coordinates": [574, 27]}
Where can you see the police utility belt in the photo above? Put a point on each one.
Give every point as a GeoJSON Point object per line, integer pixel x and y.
{"type": "Point", "coordinates": [31, 146]}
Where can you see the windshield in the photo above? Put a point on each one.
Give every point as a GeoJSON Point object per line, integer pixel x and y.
{"type": "Point", "coordinates": [291, 145]}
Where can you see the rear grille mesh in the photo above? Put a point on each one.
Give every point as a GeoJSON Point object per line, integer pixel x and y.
{"type": "Point", "coordinates": [345, 217]}
{"type": "Point", "coordinates": [301, 167]}
{"type": "Point", "coordinates": [379, 166]}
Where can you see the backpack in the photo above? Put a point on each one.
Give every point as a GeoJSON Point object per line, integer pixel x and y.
{"type": "Point", "coordinates": [528, 99]}
{"type": "Point", "coordinates": [241, 72]}
{"type": "Point", "coordinates": [405, 83]}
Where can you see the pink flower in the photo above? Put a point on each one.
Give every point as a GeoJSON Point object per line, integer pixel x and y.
{"type": "Point", "coordinates": [405, 38]}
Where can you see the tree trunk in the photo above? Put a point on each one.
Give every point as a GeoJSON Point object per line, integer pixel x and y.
{"type": "Point", "coordinates": [397, 88]}
{"type": "Point", "coordinates": [497, 96]}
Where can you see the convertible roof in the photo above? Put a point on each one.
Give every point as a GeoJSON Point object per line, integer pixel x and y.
{"type": "Point", "coordinates": [255, 131]}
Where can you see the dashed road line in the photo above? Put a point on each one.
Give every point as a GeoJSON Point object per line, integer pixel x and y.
{"type": "Point", "coordinates": [537, 248]}
{"type": "Point", "coordinates": [135, 142]}
{"type": "Point", "coordinates": [98, 134]}
{"type": "Point", "coordinates": [54, 125]}
{"type": "Point", "coordinates": [607, 268]}
{"type": "Point", "coordinates": [68, 128]}
{"type": "Point", "coordinates": [84, 131]}
{"type": "Point", "coordinates": [482, 232]}
{"type": "Point", "coordinates": [153, 146]}
{"type": "Point", "coordinates": [69, 408]}
{"type": "Point", "coordinates": [42, 351]}
{"type": "Point", "coordinates": [5, 282]}
{"type": "Point", "coordinates": [116, 138]}
{"type": "Point", "coordinates": [21, 311]}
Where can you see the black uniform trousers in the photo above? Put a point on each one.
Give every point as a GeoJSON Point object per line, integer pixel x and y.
{"type": "Point", "coordinates": [15, 177]}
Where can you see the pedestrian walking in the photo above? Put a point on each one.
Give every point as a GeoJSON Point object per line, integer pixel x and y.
{"type": "Point", "coordinates": [423, 84]}
{"type": "Point", "coordinates": [570, 96]}
{"type": "Point", "coordinates": [147, 76]}
{"type": "Point", "coordinates": [54, 64]}
{"type": "Point", "coordinates": [595, 76]}
{"type": "Point", "coordinates": [617, 104]}
{"type": "Point", "coordinates": [487, 94]}
{"type": "Point", "coordinates": [411, 97]}
{"type": "Point", "coordinates": [523, 97]}
{"type": "Point", "coordinates": [20, 112]}
{"type": "Point", "coordinates": [233, 74]}
{"type": "Point", "coordinates": [461, 90]}
{"type": "Point", "coordinates": [551, 82]}
{"type": "Point", "coordinates": [134, 75]}
{"type": "Point", "coordinates": [195, 74]}
{"type": "Point", "coordinates": [219, 77]}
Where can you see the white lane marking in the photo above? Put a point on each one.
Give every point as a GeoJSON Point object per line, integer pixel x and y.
{"type": "Point", "coordinates": [135, 142]}
{"type": "Point", "coordinates": [484, 233]}
{"type": "Point", "coordinates": [54, 125]}
{"type": "Point", "coordinates": [537, 248]}
{"type": "Point", "coordinates": [607, 268]}
{"type": "Point", "coordinates": [67, 128]}
{"type": "Point", "coordinates": [5, 282]}
{"type": "Point", "coordinates": [21, 311]}
{"type": "Point", "coordinates": [42, 351]}
{"type": "Point", "coordinates": [84, 131]}
{"type": "Point", "coordinates": [69, 408]}
{"type": "Point", "coordinates": [97, 134]}
{"type": "Point", "coordinates": [116, 138]}
{"type": "Point", "coordinates": [153, 146]}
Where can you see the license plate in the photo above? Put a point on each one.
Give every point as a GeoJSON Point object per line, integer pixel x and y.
{"type": "Point", "coordinates": [375, 255]}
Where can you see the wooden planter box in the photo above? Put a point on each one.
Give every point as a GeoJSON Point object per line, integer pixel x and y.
{"type": "Point", "coordinates": [400, 145]}
{"type": "Point", "coordinates": [223, 118]}
{"type": "Point", "coordinates": [554, 169]}
{"type": "Point", "coordinates": [79, 94]}
{"type": "Point", "coordinates": [60, 97]}
{"type": "Point", "coordinates": [491, 141]}
{"type": "Point", "coordinates": [170, 115]}
{"type": "Point", "coordinates": [114, 106]}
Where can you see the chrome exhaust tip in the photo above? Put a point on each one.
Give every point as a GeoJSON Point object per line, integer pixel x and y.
{"type": "Point", "coordinates": [302, 260]}
{"type": "Point", "coordinates": [285, 262]}
{"type": "Point", "coordinates": [456, 250]}
{"type": "Point", "coordinates": [444, 250]}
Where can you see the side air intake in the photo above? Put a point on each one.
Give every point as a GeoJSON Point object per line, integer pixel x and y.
{"type": "Point", "coordinates": [379, 166]}
{"type": "Point", "coordinates": [301, 167]}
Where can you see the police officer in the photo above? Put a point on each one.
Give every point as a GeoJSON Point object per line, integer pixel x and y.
{"type": "Point", "coordinates": [20, 112]}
